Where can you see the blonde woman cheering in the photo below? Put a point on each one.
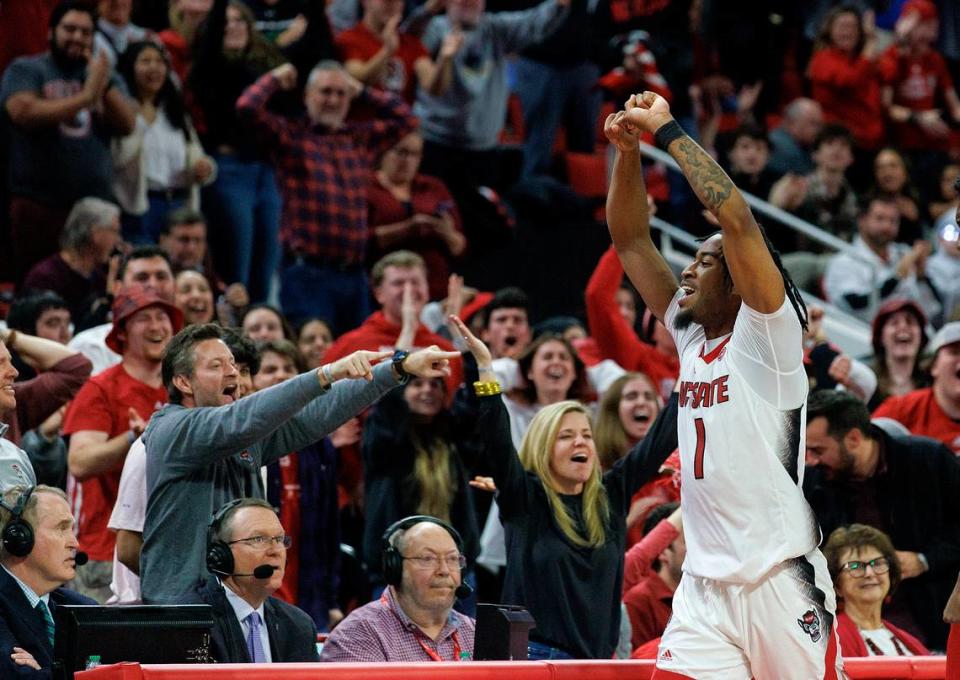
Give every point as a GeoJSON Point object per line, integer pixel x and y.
{"type": "Point", "coordinates": [565, 520]}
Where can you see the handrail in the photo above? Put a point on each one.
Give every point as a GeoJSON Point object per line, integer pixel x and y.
{"type": "Point", "coordinates": [772, 211]}
{"type": "Point", "coordinates": [810, 230]}
{"type": "Point", "coordinates": [848, 332]}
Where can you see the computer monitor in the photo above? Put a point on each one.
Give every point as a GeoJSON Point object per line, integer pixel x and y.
{"type": "Point", "coordinates": [144, 633]}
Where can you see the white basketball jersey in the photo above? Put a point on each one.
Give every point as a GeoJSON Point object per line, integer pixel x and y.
{"type": "Point", "coordinates": [741, 429]}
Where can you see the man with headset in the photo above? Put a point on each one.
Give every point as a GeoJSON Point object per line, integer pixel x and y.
{"type": "Point", "coordinates": [414, 619]}
{"type": "Point", "coordinates": [38, 554]}
{"type": "Point", "coordinates": [246, 555]}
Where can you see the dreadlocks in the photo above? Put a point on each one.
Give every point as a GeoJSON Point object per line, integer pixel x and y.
{"type": "Point", "coordinates": [789, 287]}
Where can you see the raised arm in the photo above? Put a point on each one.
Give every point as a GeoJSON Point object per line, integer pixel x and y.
{"type": "Point", "coordinates": [628, 218]}
{"type": "Point", "coordinates": [755, 275]}
{"type": "Point", "coordinates": [493, 426]}
{"type": "Point", "coordinates": [252, 104]}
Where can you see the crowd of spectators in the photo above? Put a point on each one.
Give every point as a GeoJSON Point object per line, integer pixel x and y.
{"type": "Point", "coordinates": [221, 214]}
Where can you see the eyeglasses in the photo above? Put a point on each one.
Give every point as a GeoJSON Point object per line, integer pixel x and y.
{"type": "Point", "coordinates": [880, 565]}
{"type": "Point", "coordinates": [432, 562]}
{"type": "Point", "coordinates": [262, 542]}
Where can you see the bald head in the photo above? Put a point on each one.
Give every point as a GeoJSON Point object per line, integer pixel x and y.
{"type": "Point", "coordinates": [803, 118]}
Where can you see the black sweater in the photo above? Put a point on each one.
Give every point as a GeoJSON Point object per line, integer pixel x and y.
{"type": "Point", "coordinates": [573, 593]}
{"type": "Point", "coordinates": [388, 461]}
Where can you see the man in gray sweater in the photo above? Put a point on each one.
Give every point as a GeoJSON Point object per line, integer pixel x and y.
{"type": "Point", "coordinates": [205, 448]}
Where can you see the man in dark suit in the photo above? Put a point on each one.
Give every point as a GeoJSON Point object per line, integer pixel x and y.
{"type": "Point", "coordinates": [31, 573]}
{"type": "Point", "coordinates": [250, 626]}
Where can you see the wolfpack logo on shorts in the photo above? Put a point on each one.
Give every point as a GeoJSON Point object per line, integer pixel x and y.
{"type": "Point", "coordinates": [810, 623]}
{"type": "Point", "coordinates": [741, 428]}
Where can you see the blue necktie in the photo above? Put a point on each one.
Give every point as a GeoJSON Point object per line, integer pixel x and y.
{"type": "Point", "coordinates": [254, 646]}
{"type": "Point", "coordinates": [47, 619]}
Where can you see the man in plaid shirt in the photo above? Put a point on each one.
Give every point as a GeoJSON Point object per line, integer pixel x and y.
{"type": "Point", "coordinates": [323, 163]}
{"type": "Point", "coordinates": [413, 620]}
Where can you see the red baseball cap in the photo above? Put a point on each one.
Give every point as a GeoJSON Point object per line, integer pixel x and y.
{"type": "Point", "coordinates": [888, 309]}
{"type": "Point", "coordinates": [925, 8]}
{"type": "Point", "coordinates": [479, 301]}
{"type": "Point", "coordinates": [130, 300]}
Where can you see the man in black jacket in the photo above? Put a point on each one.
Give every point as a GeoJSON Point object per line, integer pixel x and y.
{"type": "Point", "coordinates": [904, 485]}
{"type": "Point", "coordinates": [31, 573]}
{"type": "Point", "coordinates": [247, 553]}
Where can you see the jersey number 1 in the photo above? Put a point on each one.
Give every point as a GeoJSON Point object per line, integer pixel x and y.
{"type": "Point", "coordinates": [701, 445]}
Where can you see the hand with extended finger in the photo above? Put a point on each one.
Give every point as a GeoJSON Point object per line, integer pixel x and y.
{"type": "Point", "coordinates": [649, 113]}
{"type": "Point", "coordinates": [431, 362]}
{"type": "Point", "coordinates": [357, 365]}
{"type": "Point", "coordinates": [479, 350]}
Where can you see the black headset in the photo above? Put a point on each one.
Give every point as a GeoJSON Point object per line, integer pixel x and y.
{"type": "Point", "coordinates": [219, 555]}
{"type": "Point", "coordinates": [17, 535]}
{"type": "Point", "coordinates": [393, 560]}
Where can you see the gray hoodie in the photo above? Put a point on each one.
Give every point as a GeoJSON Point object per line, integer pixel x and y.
{"type": "Point", "coordinates": [200, 458]}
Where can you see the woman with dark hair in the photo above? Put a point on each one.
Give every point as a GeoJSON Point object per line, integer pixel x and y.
{"type": "Point", "coordinates": [262, 322]}
{"type": "Point", "coordinates": [551, 371]}
{"type": "Point", "coordinates": [313, 338]}
{"type": "Point", "coordinates": [891, 179]}
{"type": "Point", "coordinates": [899, 337]}
{"type": "Point", "coordinates": [565, 519]}
{"type": "Point", "coordinates": [865, 570]}
{"type": "Point", "coordinates": [408, 210]}
{"type": "Point", "coordinates": [229, 55]}
{"type": "Point", "coordinates": [160, 166]}
{"type": "Point", "coordinates": [192, 293]}
{"type": "Point", "coordinates": [843, 76]}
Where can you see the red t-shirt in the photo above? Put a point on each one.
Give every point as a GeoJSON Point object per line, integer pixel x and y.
{"type": "Point", "coordinates": [919, 83]}
{"type": "Point", "coordinates": [849, 93]}
{"type": "Point", "coordinates": [290, 519]}
{"type": "Point", "coordinates": [362, 44]}
{"type": "Point", "coordinates": [920, 413]}
{"type": "Point", "coordinates": [103, 405]}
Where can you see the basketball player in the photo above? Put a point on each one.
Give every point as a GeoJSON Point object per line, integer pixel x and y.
{"type": "Point", "coordinates": [756, 599]}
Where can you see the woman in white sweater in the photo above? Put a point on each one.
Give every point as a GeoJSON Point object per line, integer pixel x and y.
{"type": "Point", "coordinates": [161, 165]}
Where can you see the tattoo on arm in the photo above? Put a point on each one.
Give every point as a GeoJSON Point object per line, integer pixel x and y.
{"type": "Point", "coordinates": [711, 184]}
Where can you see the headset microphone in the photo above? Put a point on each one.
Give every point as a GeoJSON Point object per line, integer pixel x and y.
{"type": "Point", "coordinates": [80, 558]}
{"type": "Point", "coordinates": [263, 572]}
{"type": "Point", "coordinates": [463, 591]}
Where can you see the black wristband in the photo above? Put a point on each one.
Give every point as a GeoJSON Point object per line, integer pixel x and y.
{"type": "Point", "coordinates": [667, 133]}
